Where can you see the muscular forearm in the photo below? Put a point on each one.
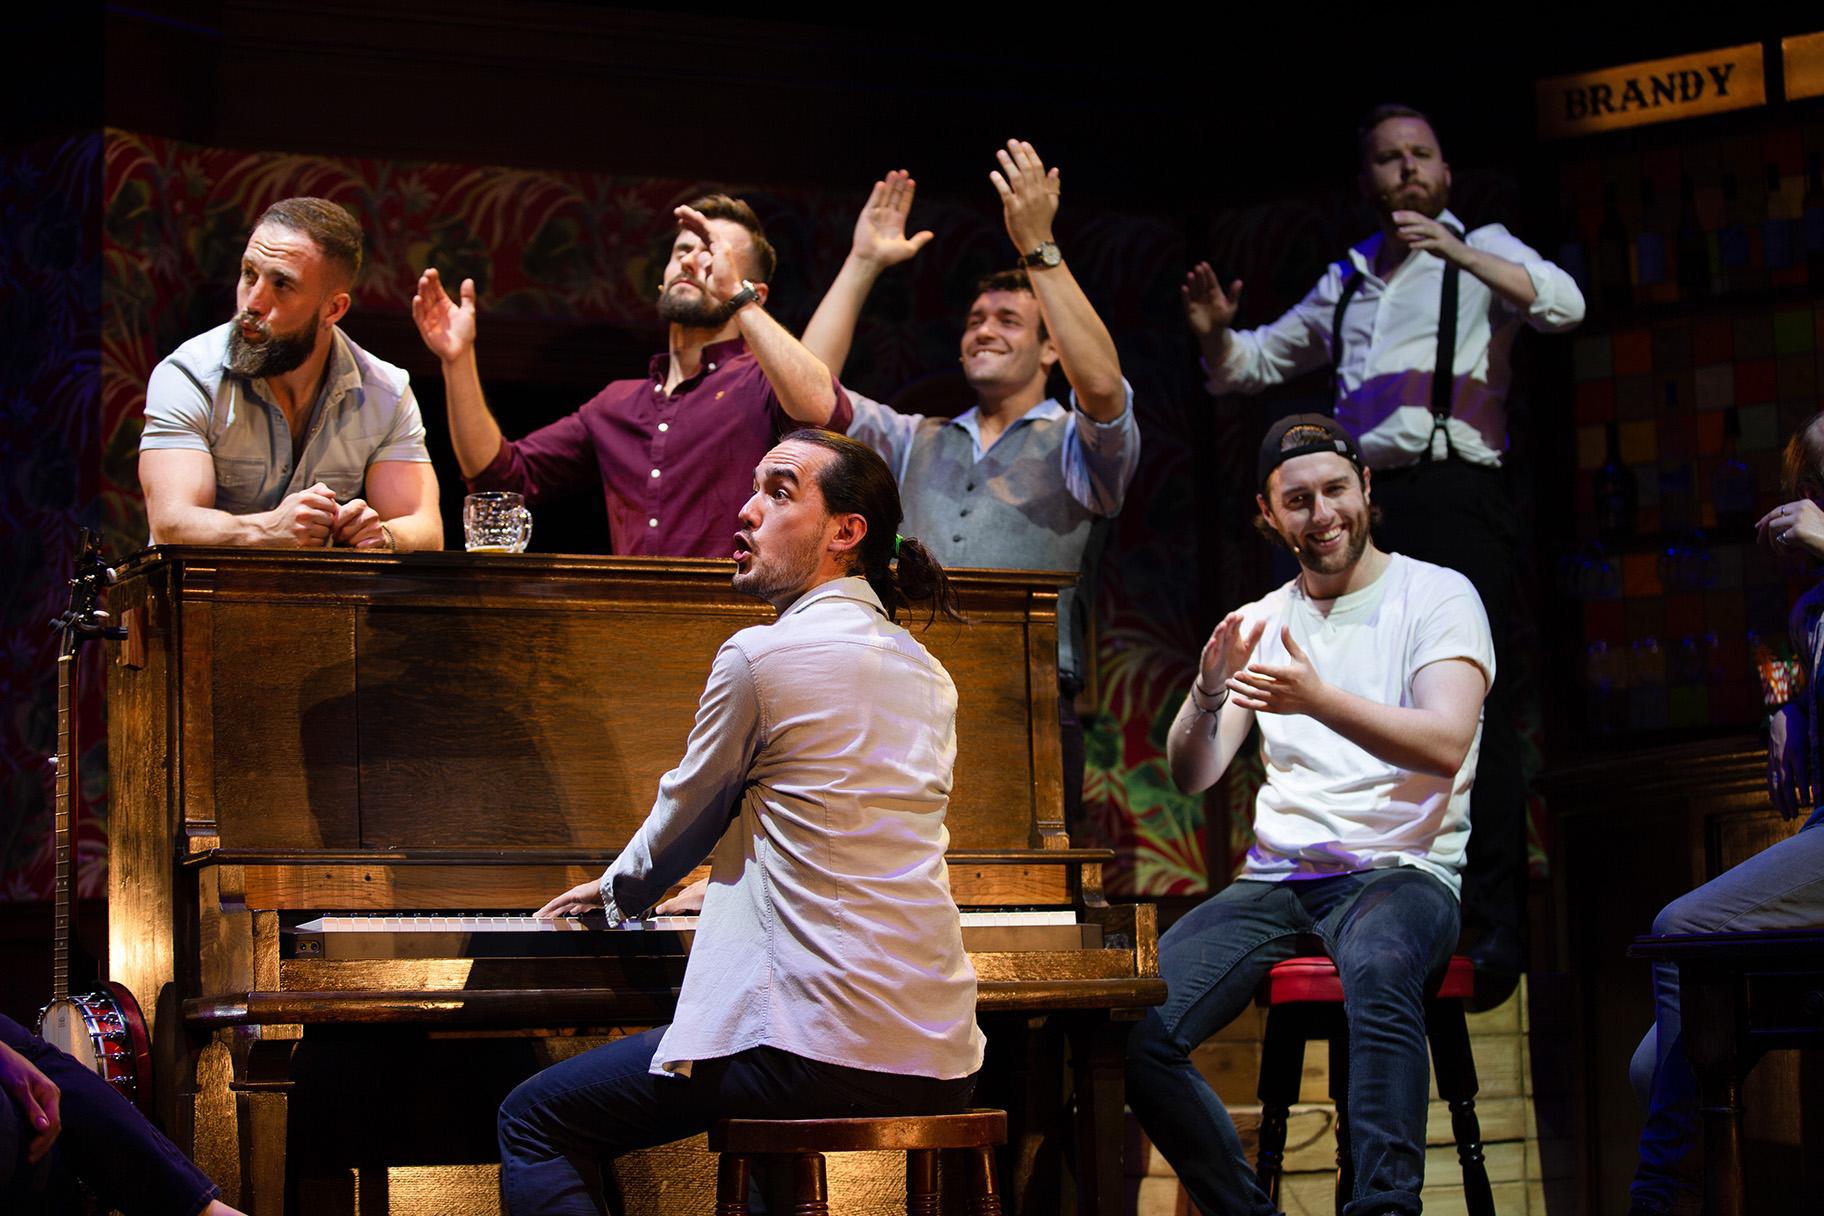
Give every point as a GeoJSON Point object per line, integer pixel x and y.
{"type": "Point", "coordinates": [192, 525]}
{"type": "Point", "coordinates": [799, 378]}
{"type": "Point", "coordinates": [473, 432]}
{"type": "Point", "coordinates": [832, 328]}
{"type": "Point", "coordinates": [1085, 349]}
{"type": "Point", "coordinates": [420, 529]}
{"type": "Point", "coordinates": [1420, 740]}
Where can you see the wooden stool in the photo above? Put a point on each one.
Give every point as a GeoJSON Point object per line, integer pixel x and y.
{"type": "Point", "coordinates": [920, 1137]}
{"type": "Point", "coordinates": [1304, 999]}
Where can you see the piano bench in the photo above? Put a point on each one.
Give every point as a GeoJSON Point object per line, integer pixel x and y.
{"type": "Point", "coordinates": [804, 1141]}
{"type": "Point", "coordinates": [1304, 1001]}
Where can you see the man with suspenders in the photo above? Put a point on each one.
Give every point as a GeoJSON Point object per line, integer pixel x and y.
{"type": "Point", "coordinates": [1418, 324]}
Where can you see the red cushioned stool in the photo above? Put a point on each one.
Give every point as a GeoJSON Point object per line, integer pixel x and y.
{"type": "Point", "coordinates": [1304, 1000]}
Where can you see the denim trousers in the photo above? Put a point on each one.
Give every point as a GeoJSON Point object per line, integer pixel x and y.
{"type": "Point", "coordinates": [1781, 887]}
{"type": "Point", "coordinates": [105, 1142]}
{"type": "Point", "coordinates": [559, 1128]}
{"type": "Point", "coordinates": [1390, 931]}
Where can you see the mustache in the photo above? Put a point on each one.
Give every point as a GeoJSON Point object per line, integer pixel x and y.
{"type": "Point", "coordinates": [248, 320]}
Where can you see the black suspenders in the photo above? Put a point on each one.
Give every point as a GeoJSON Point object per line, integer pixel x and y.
{"type": "Point", "coordinates": [1443, 375]}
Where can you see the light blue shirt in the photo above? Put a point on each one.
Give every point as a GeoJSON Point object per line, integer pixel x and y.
{"type": "Point", "coordinates": [819, 771]}
{"type": "Point", "coordinates": [364, 414]}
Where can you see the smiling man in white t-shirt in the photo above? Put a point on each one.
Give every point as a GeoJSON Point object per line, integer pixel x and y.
{"type": "Point", "coordinates": [1366, 675]}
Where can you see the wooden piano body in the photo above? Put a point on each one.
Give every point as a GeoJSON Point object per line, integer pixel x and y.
{"type": "Point", "coordinates": [298, 733]}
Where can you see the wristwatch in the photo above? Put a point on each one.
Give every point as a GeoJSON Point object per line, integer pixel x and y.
{"type": "Point", "coordinates": [741, 299]}
{"type": "Point", "coordinates": [1046, 255]}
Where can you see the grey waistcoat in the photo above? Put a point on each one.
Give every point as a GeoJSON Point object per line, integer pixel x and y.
{"type": "Point", "coordinates": [1009, 510]}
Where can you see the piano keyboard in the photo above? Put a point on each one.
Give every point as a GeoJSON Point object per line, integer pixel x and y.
{"type": "Point", "coordinates": [431, 935]}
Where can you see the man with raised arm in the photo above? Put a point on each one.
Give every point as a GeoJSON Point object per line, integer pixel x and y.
{"type": "Point", "coordinates": [1418, 324]}
{"type": "Point", "coordinates": [670, 451]}
{"type": "Point", "coordinates": [275, 428]}
{"type": "Point", "coordinates": [1020, 480]}
{"type": "Point", "coordinates": [1366, 676]}
{"type": "Point", "coordinates": [827, 978]}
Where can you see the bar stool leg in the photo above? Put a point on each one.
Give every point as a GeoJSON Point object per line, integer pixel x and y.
{"type": "Point", "coordinates": [810, 1193]}
{"type": "Point", "coordinates": [1282, 1059]}
{"type": "Point", "coordinates": [1339, 1098]}
{"type": "Point", "coordinates": [731, 1185]}
{"type": "Point", "coordinates": [983, 1196]}
{"type": "Point", "coordinates": [1456, 1068]}
{"type": "Point", "coordinates": [921, 1182]}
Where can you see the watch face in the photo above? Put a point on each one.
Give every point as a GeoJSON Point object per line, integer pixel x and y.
{"type": "Point", "coordinates": [1045, 255]}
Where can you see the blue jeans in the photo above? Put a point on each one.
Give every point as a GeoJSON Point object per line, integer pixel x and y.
{"type": "Point", "coordinates": [1781, 887]}
{"type": "Point", "coordinates": [105, 1142]}
{"type": "Point", "coordinates": [1389, 931]}
{"type": "Point", "coordinates": [558, 1127]}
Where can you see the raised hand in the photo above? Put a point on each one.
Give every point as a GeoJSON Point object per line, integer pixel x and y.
{"type": "Point", "coordinates": [1230, 644]}
{"type": "Point", "coordinates": [880, 229]}
{"type": "Point", "coordinates": [713, 263]}
{"type": "Point", "coordinates": [1207, 307]}
{"type": "Point", "coordinates": [447, 328]}
{"type": "Point", "coordinates": [1278, 688]}
{"type": "Point", "coordinates": [1029, 195]}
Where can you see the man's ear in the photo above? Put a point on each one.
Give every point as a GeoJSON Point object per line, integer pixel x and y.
{"type": "Point", "coordinates": [851, 530]}
{"type": "Point", "coordinates": [1260, 500]}
{"type": "Point", "coordinates": [1367, 482]}
{"type": "Point", "coordinates": [338, 308]}
{"type": "Point", "coordinates": [761, 291]}
{"type": "Point", "coordinates": [1048, 355]}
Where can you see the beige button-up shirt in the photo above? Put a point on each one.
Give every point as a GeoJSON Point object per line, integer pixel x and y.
{"type": "Point", "coordinates": [819, 772]}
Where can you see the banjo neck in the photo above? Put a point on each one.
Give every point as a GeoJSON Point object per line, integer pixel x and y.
{"type": "Point", "coordinates": [65, 841]}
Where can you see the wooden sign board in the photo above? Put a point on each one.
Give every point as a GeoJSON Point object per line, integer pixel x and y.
{"type": "Point", "coordinates": [1657, 90]}
{"type": "Point", "coordinates": [1803, 56]}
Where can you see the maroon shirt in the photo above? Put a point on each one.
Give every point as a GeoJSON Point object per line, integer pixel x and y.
{"type": "Point", "coordinates": [676, 469]}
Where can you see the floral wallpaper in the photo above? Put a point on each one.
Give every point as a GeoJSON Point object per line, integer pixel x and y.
{"type": "Point", "coordinates": [119, 246]}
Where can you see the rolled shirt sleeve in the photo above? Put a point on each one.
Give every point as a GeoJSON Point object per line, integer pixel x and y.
{"type": "Point", "coordinates": [698, 797]}
{"type": "Point", "coordinates": [553, 460]}
{"type": "Point", "coordinates": [405, 438]}
{"type": "Point", "coordinates": [1100, 457]}
{"type": "Point", "coordinates": [1557, 302]}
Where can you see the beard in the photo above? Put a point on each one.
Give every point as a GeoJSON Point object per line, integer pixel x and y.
{"type": "Point", "coordinates": [784, 574]}
{"type": "Point", "coordinates": [1432, 198]}
{"type": "Point", "coordinates": [1342, 559]}
{"type": "Point", "coordinates": [694, 312]}
{"type": "Point", "coordinates": [274, 356]}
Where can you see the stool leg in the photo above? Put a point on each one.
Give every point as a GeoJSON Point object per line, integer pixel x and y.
{"type": "Point", "coordinates": [731, 1185]}
{"type": "Point", "coordinates": [1282, 1059]}
{"type": "Point", "coordinates": [921, 1182]}
{"type": "Point", "coordinates": [810, 1193]}
{"type": "Point", "coordinates": [1456, 1070]}
{"type": "Point", "coordinates": [982, 1194]}
{"type": "Point", "coordinates": [1339, 1097]}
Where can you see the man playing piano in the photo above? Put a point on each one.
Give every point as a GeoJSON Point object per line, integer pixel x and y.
{"type": "Point", "coordinates": [1366, 676]}
{"type": "Point", "coordinates": [828, 976]}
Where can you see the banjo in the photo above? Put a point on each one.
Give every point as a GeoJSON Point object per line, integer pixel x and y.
{"type": "Point", "coordinates": [103, 1030]}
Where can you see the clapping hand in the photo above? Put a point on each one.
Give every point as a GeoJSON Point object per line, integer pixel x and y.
{"type": "Point", "coordinates": [447, 328]}
{"type": "Point", "coordinates": [1230, 644]}
{"type": "Point", "coordinates": [1029, 195]}
{"type": "Point", "coordinates": [1278, 688]}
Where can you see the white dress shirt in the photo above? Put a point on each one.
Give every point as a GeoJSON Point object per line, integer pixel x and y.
{"type": "Point", "coordinates": [1390, 347]}
{"type": "Point", "coordinates": [824, 745]}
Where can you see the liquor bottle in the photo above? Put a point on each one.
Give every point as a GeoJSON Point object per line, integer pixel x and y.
{"type": "Point", "coordinates": [1732, 484]}
{"type": "Point", "coordinates": [1693, 246]}
{"type": "Point", "coordinates": [1613, 286]}
{"type": "Point", "coordinates": [1616, 493]}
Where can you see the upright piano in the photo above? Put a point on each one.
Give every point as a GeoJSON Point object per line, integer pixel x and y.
{"type": "Point", "coordinates": [299, 739]}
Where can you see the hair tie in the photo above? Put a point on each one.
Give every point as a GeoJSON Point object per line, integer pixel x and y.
{"type": "Point", "coordinates": [898, 540]}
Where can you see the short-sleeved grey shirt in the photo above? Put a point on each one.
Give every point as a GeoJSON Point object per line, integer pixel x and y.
{"type": "Point", "coordinates": [365, 413]}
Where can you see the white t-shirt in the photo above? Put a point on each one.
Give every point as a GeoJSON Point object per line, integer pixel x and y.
{"type": "Point", "coordinates": [1329, 807]}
